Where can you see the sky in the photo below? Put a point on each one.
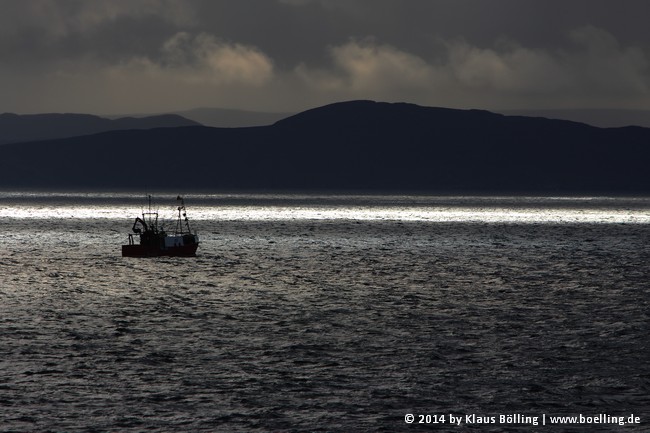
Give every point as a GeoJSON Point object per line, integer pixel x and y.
{"type": "Point", "coordinates": [151, 56]}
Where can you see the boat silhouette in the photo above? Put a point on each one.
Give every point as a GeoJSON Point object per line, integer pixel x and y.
{"type": "Point", "coordinates": [154, 241]}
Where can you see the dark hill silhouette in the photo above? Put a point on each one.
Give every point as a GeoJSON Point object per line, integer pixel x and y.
{"type": "Point", "coordinates": [30, 127]}
{"type": "Point", "coordinates": [351, 145]}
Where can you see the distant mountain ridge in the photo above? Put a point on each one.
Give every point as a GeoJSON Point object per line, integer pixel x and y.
{"type": "Point", "coordinates": [229, 118]}
{"type": "Point", "coordinates": [356, 145]}
{"type": "Point", "coordinates": [222, 117]}
{"type": "Point", "coordinates": [31, 127]}
{"type": "Point", "coordinates": [602, 118]}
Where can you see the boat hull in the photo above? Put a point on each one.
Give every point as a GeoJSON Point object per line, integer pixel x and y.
{"type": "Point", "coordinates": [154, 251]}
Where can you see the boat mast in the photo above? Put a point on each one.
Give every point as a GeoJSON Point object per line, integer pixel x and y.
{"type": "Point", "coordinates": [179, 222]}
{"type": "Point", "coordinates": [150, 216]}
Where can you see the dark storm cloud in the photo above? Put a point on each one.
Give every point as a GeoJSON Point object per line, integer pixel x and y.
{"type": "Point", "coordinates": [156, 55]}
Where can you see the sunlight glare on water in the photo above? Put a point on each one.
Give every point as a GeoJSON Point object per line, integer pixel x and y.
{"type": "Point", "coordinates": [224, 207]}
{"type": "Point", "coordinates": [431, 214]}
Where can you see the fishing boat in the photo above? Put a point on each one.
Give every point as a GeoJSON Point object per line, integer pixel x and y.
{"type": "Point", "coordinates": [154, 241]}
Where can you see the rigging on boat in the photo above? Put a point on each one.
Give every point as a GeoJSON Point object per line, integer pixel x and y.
{"type": "Point", "coordinates": [155, 242]}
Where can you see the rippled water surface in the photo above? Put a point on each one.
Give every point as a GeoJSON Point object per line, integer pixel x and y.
{"type": "Point", "coordinates": [324, 313]}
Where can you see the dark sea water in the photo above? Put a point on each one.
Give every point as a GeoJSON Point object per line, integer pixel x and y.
{"type": "Point", "coordinates": [326, 313]}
